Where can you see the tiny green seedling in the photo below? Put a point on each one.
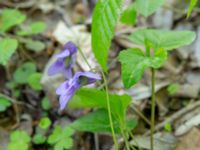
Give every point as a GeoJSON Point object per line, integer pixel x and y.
{"type": "Point", "coordinates": [4, 103]}
{"type": "Point", "coordinates": [41, 131]}
{"type": "Point", "coordinates": [46, 105]}
{"type": "Point", "coordinates": [168, 127]}
{"type": "Point", "coordinates": [44, 123]}
{"type": "Point", "coordinates": [173, 88]}
{"type": "Point", "coordinates": [10, 19]}
{"type": "Point", "coordinates": [34, 81]}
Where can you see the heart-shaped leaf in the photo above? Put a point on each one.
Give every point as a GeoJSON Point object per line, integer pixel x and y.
{"type": "Point", "coordinates": [10, 18]}
{"type": "Point", "coordinates": [134, 62]}
{"type": "Point", "coordinates": [7, 48]}
{"type": "Point", "coordinates": [98, 121]}
{"type": "Point", "coordinates": [84, 98]}
{"type": "Point", "coordinates": [129, 15]}
{"type": "Point", "coordinates": [167, 40]}
{"type": "Point", "coordinates": [4, 103]}
{"type": "Point", "coordinates": [22, 74]}
{"type": "Point", "coordinates": [34, 28]}
{"type": "Point", "coordinates": [147, 7]}
{"type": "Point", "coordinates": [34, 81]}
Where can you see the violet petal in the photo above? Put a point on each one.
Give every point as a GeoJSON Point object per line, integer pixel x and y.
{"type": "Point", "coordinates": [68, 73]}
{"type": "Point", "coordinates": [62, 54]}
{"type": "Point", "coordinates": [56, 67]}
{"type": "Point", "coordinates": [63, 100]}
{"type": "Point", "coordinates": [70, 46]}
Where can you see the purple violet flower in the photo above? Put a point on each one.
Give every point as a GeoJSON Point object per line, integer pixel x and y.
{"type": "Point", "coordinates": [68, 88]}
{"type": "Point", "coordinates": [65, 61]}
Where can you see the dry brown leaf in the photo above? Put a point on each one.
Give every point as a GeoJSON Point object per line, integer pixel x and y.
{"type": "Point", "coordinates": [190, 141]}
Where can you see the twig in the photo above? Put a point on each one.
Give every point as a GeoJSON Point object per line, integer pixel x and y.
{"type": "Point", "coordinates": [15, 101]}
{"type": "Point", "coordinates": [132, 136]}
{"type": "Point", "coordinates": [96, 141]}
{"type": "Point", "coordinates": [176, 115]}
{"type": "Point", "coordinates": [26, 54]}
{"type": "Point", "coordinates": [16, 110]}
{"type": "Point", "coordinates": [140, 115]}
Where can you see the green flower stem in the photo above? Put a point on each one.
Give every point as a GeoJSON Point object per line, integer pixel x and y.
{"type": "Point", "coordinates": [107, 98]}
{"type": "Point", "coordinates": [152, 107]}
{"type": "Point", "coordinates": [85, 59]}
{"type": "Point", "coordinates": [126, 141]}
{"type": "Point", "coordinates": [109, 113]}
{"type": "Point", "coordinates": [152, 99]}
{"type": "Point", "coordinates": [138, 146]}
{"type": "Point", "coordinates": [125, 136]}
{"type": "Point", "coordinates": [140, 114]}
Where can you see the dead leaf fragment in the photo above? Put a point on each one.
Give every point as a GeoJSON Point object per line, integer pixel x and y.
{"type": "Point", "coordinates": [190, 141]}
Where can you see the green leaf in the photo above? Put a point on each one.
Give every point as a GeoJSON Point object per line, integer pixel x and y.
{"type": "Point", "coordinates": [22, 73]}
{"type": "Point", "coordinates": [192, 5]}
{"type": "Point", "coordinates": [129, 15]}
{"type": "Point", "coordinates": [67, 132]}
{"type": "Point", "coordinates": [104, 20]}
{"type": "Point", "coordinates": [59, 133]}
{"type": "Point", "coordinates": [19, 139]}
{"type": "Point", "coordinates": [4, 103]}
{"type": "Point", "coordinates": [147, 7]}
{"type": "Point", "coordinates": [20, 136]}
{"type": "Point", "coordinates": [7, 48]}
{"type": "Point", "coordinates": [34, 81]}
{"type": "Point", "coordinates": [98, 121]}
{"type": "Point", "coordinates": [17, 93]}
{"type": "Point", "coordinates": [46, 105]}
{"type": "Point", "coordinates": [61, 138]}
{"type": "Point", "coordinates": [11, 84]}
{"type": "Point", "coordinates": [168, 127]}
{"type": "Point", "coordinates": [34, 28]}
{"type": "Point", "coordinates": [55, 136]}
{"type": "Point", "coordinates": [131, 124]}
{"type": "Point", "coordinates": [35, 46]}
{"type": "Point", "coordinates": [167, 40]}
{"type": "Point", "coordinates": [10, 18]}
{"type": "Point", "coordinates": [64, 144]}
{"type": "Point", "coordinates": [173, 88]}
{"type": "Point", "coordinates": [84, 98]}
{"type": "Point", "coordinates": [39, 139]}
{"type": "Point", "coordinates": [44, 123]}
{"type": "Point", "coordinates": [16, 145]}
{"type": "Point", "coordinates": [134, 62]}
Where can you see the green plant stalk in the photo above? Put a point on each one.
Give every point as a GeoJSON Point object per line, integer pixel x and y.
{"type": "Point", "coordinates": [107, 99]}
{"type": "Point", "coordinates": [85, 59]}
{"type": "Point", "coordinates": [123, 132]}
{"type": "Point", "coordinates": [138, 146]}
{"type": "Point", "coordinates": [152, 107]}
{"type": "Point", "coordinates": [109, 113]}
{"type": "Point", "coordinates": [126, 141]}
{"type": "Point", "coordinates": [95, 135]}
{"type": "Point", "coordinates": [140, 115]}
